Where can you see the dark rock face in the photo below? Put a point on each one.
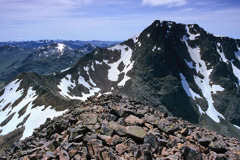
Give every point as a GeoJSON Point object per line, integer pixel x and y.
{"type": "Point", "coordinates": [85, 132]}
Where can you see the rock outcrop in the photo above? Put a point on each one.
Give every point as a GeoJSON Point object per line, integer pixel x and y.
{"type": "Point", "coordinates": [117, 127]}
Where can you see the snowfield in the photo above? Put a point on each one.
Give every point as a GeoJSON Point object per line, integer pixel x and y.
{"type": "Point", "coordinates": [204, 84]}
{"type": "Point", "coordinates": [126, 55]}
{"type": "Point", "coordinates": [23, 111]}
{"type": "Point", "coordinates": [66, 84]}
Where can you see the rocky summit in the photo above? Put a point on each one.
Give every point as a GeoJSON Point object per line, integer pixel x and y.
{"type": "Point", "coordinates": [118, 127]}
{"type": "Point", "coordinates": [178, 69]}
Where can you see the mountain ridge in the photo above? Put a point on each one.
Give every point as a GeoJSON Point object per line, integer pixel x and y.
{"type": "Point", "coordinates": [179, 69]}
{"type": "Point", "coordinates": [43, 57]}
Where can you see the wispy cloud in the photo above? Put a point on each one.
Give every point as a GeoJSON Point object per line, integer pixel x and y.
{"type": "Point", "coordinates": [39, 9]}
{"type": "Point", "coordinates": [110, 19]}
{"type": "Point", "coordinates": [210, 3]}
{"type": "Point", "coordinates": [169, 3]}
{"type": "Point", "coordinates": [188, 9]}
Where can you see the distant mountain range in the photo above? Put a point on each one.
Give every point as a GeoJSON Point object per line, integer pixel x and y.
{"type": "Point", "coordinates": [42, 57]}
{"type": "Point", "coordinates": [181, 70]}
{"type": "Point", "coordinates": [73, 44]}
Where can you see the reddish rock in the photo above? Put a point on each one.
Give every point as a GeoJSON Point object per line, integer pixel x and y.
{"type": "Point", "coordinates": [72, 153]}
{"type": "Point", "coordinates": [121, 148]}
{"type": "Point", "coordinates": [105, 138]}
{"type": "Point", "coordinates": [180, 145]}
{"type": "Point", "coordinates": [148, 125]}
{"type": "Point", "coordinates": [133, 120]}
{"type": "Point", "coordinates": [184, 131]}
{"type": "Point", "coordinates": [164, 152]}
{"type": "Point", "coordinates": [63, 155]}
{"type": "Point", "coordinates": [115, 140]}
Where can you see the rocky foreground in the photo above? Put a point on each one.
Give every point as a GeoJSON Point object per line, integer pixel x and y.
{"type": "Point", "coordinates": [116, 127]}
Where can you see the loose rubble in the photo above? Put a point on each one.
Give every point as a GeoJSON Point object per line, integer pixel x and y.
{"type": "Point", "coordinates": [117, 127]}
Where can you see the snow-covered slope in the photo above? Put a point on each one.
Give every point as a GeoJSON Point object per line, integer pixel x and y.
{"type": "Point", "coordinates": [204, 83]}
{"type": "Point", "coordinates": [84, 79]}
{"type": "Point", "coordinates": [17, 109]}
{"type": "Point", "coordinates": [125, 59]}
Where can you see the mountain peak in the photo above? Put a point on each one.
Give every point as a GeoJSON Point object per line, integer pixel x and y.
{"type": "Point", "coordinates": [61, 46]}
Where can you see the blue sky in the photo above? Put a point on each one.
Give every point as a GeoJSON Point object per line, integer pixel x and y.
{"type": "Point", "coordinates": [111, 19]}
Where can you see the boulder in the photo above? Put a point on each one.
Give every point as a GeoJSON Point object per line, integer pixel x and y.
{"type": "Point", "coordinates": [136, 132]}
{"type": "Point", "coordinates": [133, 120]}
{"type": "Point", "coordinates": [121, 148]}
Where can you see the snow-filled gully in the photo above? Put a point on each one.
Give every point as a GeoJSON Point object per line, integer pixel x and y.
{"type": "Point", "coordinates": [204, 84]}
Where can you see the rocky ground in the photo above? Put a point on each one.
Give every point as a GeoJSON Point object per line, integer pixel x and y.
{"type": "Point", "coordinates": [117, 127]}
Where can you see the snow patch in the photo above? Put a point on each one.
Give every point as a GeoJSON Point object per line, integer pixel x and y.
{"type": "Point", "coordinates": [90, 79]}
{"type": "Point", "coordinates": [113, 72]}
{"type": "Point", "coordinates": [92, 90]}
{"type": "Point", "coordinates": [82, 81]}
{"type": "Point", "coordinates": [220, 36]}
{"type": "Point", "coordinates": [154, 48]}
{"type": "Point", "coordinates": [64, 86]}
{"type": "Point", "coordinates": [200, 109]}
{"type": "Point", "coordinates": [187, 89]}
{"type": "Point", "coordinates": [237, 54]}
{"type": "Point", "coordinates": [217, 88]}
{"type": "Point", "coordinates": [191, 36]}
{"type": "Point", "coordinates": [92, 67]}
{"type": "Point", "coordinates": [224, 59]}
{"type": "Point", "coordinates": [86, 68]}
{"type": "Point", "coordinates": [10, 89]}
{"type": "Point", "coordinates": [107, 93]}
{"type": "Point", "coordinates": [148, 35]}
{"type": "Point", "coordinates": [236, 126]}
{"type": "Point", "coordinates": [97, 62]}
{"type": "Point", "coordinates": [65, 69]}
{"type": "Point", "coordinates": [60, 47]}
{"type": "Point", "coordinates": [204, 84]}
{"type": "Point", "coordinates": [66, 83]}
{"type": "Point", "coordinates": [37, 115]}
{"type": "Point", "coordinates": [236, 71]}
{"type": "Point", "coordinates": [135, 38]}
{"type": "Point", "coordinates": [139, 44]}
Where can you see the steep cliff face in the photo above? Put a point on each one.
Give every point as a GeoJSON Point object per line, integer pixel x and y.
{"type": "Point", "coordinates": [179, 69]}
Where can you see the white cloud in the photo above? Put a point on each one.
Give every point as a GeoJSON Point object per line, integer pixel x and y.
{"type": "Point", "coordinates": [38, 9]}
{"type": "Point", "coordinates": [188, 9]}
{"type": "Point", "coordinates": [169, 3]}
